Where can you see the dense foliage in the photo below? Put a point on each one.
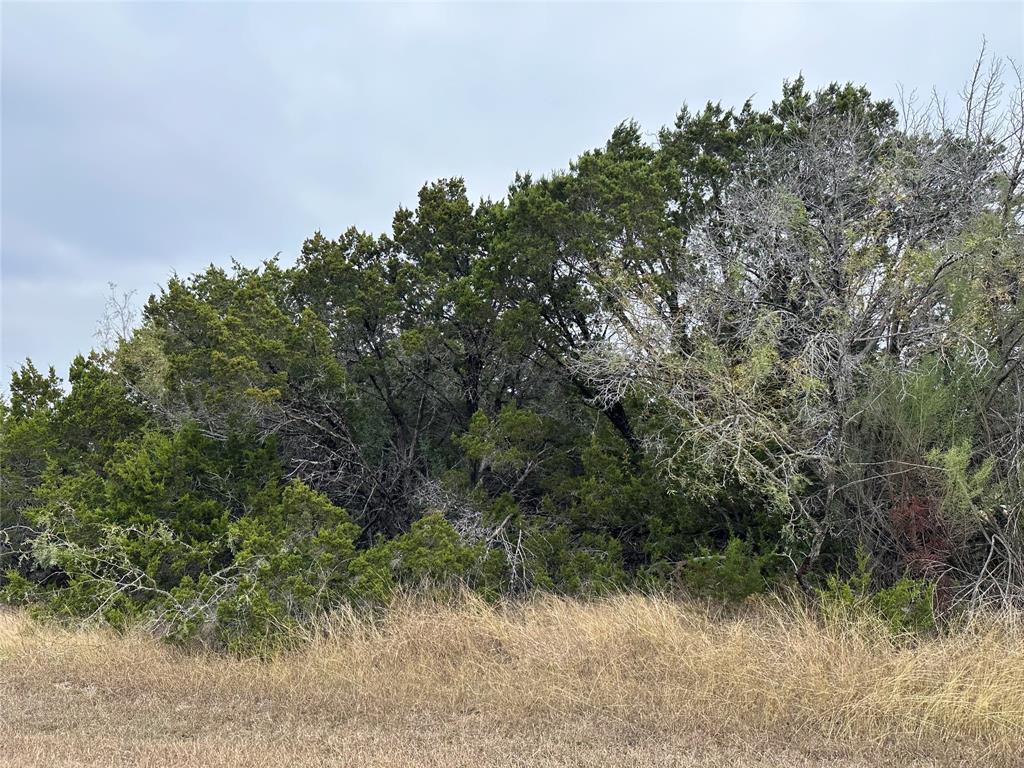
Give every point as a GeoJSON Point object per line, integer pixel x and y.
{"type": "Point", "coordinates": [769, 345]}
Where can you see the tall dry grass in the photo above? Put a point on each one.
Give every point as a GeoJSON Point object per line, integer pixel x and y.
{"type": "Point", "coordinates": [630, 680]}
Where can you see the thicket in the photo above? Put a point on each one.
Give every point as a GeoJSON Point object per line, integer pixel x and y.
{"type": "Point", "coordinates": [770, 345]}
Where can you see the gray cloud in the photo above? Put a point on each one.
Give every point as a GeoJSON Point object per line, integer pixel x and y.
{"type": "Point", "coordinates": [144, 138]}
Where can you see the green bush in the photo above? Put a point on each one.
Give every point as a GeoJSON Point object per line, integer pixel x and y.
{"type": "Point", "coordinates": [732, 575]}
{"type": "Point", "coordinates": [431, 552]}
{"type": "Point", "coordinates": [589, 564]}
{"type": "Point", "coordinates": [905, 607]}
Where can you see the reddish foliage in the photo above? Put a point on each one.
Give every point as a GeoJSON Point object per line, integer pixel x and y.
{"type": "Point", "coordinates": [926, 546]}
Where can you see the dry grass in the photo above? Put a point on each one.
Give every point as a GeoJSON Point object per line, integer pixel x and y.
{"type": "Point", "coordinates": [630, 681]}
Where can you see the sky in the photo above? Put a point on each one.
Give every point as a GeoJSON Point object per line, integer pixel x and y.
{"type": "Point", "coordinates": [139, 140]}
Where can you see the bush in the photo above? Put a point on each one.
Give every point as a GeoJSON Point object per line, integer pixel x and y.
{"type": "Point", "coordinates": [732, 575]}
{"type": "Point", "coordinates": [589, 564]}
{"type": "Point", "coordinates": [430, 553]}
{"type": "Point", "coordinates": [905, 607]}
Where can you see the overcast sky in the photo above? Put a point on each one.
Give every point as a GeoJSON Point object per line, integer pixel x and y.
{"type": "Point", "coordinates": [148, 138]}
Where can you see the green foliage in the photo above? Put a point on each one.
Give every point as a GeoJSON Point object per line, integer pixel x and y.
{"type": "Point", "coordinates": [731, 576]}
{"type": "Point", "coordinates": [296, 548]}
{"type": "Point", "coordinates": [430, 554]}
{"type": "Point", "coordinates": [32, 392]}
{"type": "Point", "coordinates": [590, 564]}
{"type": "Point", "coordinates": [17, 590]}
{"type": "Point", "coordinates": [968, 481]}
{"type": "Point", "coordinates": [905, 607]}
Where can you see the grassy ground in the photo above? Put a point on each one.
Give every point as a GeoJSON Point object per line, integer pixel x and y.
{"type": "Point", "coordinates": [630, 681]}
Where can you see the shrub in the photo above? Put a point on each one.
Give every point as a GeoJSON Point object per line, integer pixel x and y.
{"type": "Point", "coordinates": [430, 553]}
{"type": "Point", "coordinates": [732, 575]}
{"type": "Point", "coordinates": [588, 564]}
{"type": "Point", "coordinates": [905, 607]}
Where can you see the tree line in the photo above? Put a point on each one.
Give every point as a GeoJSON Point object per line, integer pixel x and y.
{"type": "Point", "coordinates": [766, 346]}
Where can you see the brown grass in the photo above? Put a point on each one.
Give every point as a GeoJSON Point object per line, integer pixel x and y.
{"type": "Point", "coordinates": [629, 681]}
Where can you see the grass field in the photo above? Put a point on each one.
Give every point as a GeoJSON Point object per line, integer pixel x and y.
{"type": "Point", "coordinates": [627, 681]}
